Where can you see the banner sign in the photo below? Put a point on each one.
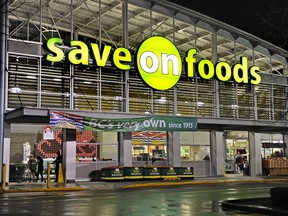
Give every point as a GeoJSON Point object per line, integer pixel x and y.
{"type": "Point", "coordinates": [150, 123]}
{"type": "Point", "coordinates": [48, 133]}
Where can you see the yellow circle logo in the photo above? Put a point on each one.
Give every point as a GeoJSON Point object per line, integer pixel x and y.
{"type": "Point", "coordinates": [159, 63]}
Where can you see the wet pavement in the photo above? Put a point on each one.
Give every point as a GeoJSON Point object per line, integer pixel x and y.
{"type": "Point", "coordinates": [251, 205]}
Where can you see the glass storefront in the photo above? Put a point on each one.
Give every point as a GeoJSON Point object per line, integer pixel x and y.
{"type": "Point", "coordinates": [194, 146]}
{"type": "Point", "coordinates": [149, 146]}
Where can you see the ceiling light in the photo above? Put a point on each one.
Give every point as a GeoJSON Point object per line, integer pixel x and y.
{"type": "Point", "coordinates": [31, 77]}
{"type": "Point", "coordinates": [162, 100]}
{"type": "Point", "coordinates": [16, 89]}
{"type": "Point", "coordinates": [200, 103]}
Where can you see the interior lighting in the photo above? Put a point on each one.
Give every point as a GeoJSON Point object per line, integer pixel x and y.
{"type": "Point", "coordinates": [200, 103]}
{"type": "Point", "coordinates": [118, 98]}
{"type": "Point", "coordinates": [162, 100]}
{"type": "Point", "coordinates": [16, 89]}
{"type": "Point", "coordinates": [31, 77]}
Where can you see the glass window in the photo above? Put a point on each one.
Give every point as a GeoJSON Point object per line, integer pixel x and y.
{"type": "Point", "coordinates": [108, 145]}
{"type": "Point", "coordinates": [149, 145]}
{"type": "Point", "coordinates": [194, 146]}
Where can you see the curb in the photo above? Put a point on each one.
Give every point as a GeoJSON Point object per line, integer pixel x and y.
{"type": "Point", "coordinates": [197, 183]}
{"type": "Point", "coordinates": [43, 189]}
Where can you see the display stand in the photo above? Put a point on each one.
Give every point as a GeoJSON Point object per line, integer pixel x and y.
{"type": "Point", "coordinates": [277, 164]}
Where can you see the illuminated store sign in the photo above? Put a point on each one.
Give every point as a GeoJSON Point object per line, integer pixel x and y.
{"type": "Point", "coordinates": [158, 62]}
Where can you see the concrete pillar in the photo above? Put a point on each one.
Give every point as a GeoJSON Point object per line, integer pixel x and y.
{"type": "Point", "coordinates": [69, 155]}
{"type": "Point", "coordinates": [174, 149]}
{"type": "Point", "coordinates": [218, 146]}
{"type": "Point", "coordinates": [125, 149]}
{"type": "Point", "coordinates": [6, 149]}
{"type": "Point", "coordinates": [285, 140]}
{"type": "Point", "coordinates": [255, 162]}
{"type": "Point", "coordinates": [3, 55]}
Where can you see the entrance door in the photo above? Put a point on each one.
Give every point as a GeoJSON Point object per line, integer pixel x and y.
{"type": "Point", "coordinates": [237, 147]}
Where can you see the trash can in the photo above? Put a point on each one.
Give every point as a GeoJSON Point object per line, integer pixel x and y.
{"type": "Point", "coordinates": [246, 171]}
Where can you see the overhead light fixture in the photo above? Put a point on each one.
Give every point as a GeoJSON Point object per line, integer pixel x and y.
{"type": "Point", "coordinates": [56, 79]}
{"type": "Point", "coordinates": [147, 112]}
{"type": "Point", "coordinates": [162, 100]}
{"type": "Point", "coordinates": [234, 106]}
{"type": "Point", "coordinates": [118, 98]}
{"type": "Point", "coordinates": [16, 89]}
{"type": "Point", "coordinates": [31, 77]}
{"type": "Point", "coordinates": [200, 103]}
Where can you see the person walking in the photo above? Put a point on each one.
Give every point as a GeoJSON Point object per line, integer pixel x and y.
{"type": "Point", "coordinates": [57, 161]}
{"type": "Point", "coordinates": [32, 167]}
{"type": "Point", "coordinates": [40, 168]}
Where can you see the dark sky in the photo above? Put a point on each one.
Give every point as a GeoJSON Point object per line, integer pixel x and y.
{"type": "Point", "coordinates": [248, 15]}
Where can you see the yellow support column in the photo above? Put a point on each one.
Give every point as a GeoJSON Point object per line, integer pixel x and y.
{"type": "Point", "coordinates": [60, 174]}
{"type": "Point", "coordinates": [3, 180]}
{"type": "Point", "coordinates": [48, 175]}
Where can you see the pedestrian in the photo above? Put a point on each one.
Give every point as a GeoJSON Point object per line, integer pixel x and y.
{"type": "Point", "coordinates": [57, 161]}
{"type": "Point", "coordinates": [40, 168]}
{"type": "Point", "coordinates": [32, 167]}
{"type": "Point", "coordinates": [240, 163]}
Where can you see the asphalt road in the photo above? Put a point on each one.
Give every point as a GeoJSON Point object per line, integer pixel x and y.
{"type": "Point", "coordinates": [192, 200]}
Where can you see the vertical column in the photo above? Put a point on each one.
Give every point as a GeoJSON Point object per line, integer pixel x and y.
{"type": "Point", "coordinates": [71, 67]}
{"type": "Point", "coordinates": [285, 140]}
{"type": "Point", "coordinates": [3, 54]}
{"type": "Point", "coordinates": [216, 82]}
{"type": "Point", "coordinates": [69, 155]}
{"type": "Point", "coordinates": [174, 149]}
{"type": "Point", "coordinates": [254, 154]}
{"type": "Point", "coordinates": [125, 44]}
{"type": "Point", "coordinates": [6, 150]}
{"type": "Point", "coordinates": [217, 145]}
{"type": "Point", "coordinates": [125, 148]}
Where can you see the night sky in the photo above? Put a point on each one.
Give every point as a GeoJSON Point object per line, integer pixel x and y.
{"type": "Point", "coordinates": [249, 16]}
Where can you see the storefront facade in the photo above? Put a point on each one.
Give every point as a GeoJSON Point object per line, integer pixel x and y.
{"type": "Point", "coordinates": [83, 58]}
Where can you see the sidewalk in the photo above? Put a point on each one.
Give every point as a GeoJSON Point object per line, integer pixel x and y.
{"type": "Point", "coordinates": [126, 184]}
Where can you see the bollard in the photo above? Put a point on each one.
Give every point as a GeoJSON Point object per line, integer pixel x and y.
{"type": "Point", "coordinates": [3, 180]}
{"type": "Point", "coordinates": [60, 174]}
{"type": "Point", "coordinates": [48, 175]}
